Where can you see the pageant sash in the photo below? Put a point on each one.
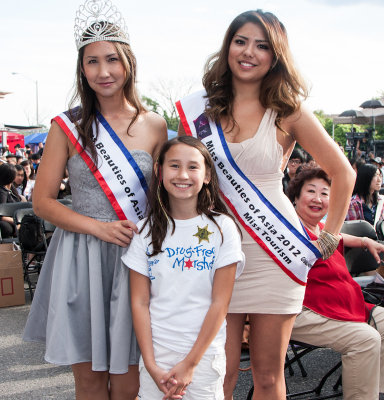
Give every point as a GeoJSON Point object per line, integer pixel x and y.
{"type": "Point", "coordinates": [116, 171]}
{"type": "Point", "coordinates": [288, 247]}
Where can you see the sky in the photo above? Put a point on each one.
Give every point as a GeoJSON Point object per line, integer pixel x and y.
{"type": "Point", "coordinates": [338, 46]}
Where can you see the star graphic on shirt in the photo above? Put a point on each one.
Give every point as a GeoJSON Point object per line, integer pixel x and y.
{"type": "Point", "coordinates": [188, 264]}
{"type": "Point", "coordinates": [203, 234]}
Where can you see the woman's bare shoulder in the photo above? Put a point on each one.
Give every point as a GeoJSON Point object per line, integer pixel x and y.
{"type": "Point", "coordinates": [156, 131]}
{"type": "Point", "coordinates": [302, 113]}
{"type": "Point", "coordinates": [154, 120]}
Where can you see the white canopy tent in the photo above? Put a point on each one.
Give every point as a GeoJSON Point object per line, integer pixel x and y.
{"type": "Point", "coordinates": [362, 117]}
{"type": "Point", "coordinates": [365, 116]}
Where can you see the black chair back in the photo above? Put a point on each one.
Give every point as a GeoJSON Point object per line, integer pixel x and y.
{"type": "Point", "coordinates": [359, 228]}
{"type": "Point", "coordinates": [19, 214]}
{"type": "Point", "coordinates": [359, 260]}
{"type": "Point", "coordinates": [8, 209]}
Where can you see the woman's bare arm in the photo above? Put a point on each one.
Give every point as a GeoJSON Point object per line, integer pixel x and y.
{"type": "Point", "coordinates": [310, 134]}
{"type": "Point", "coordinates": [50, 173]}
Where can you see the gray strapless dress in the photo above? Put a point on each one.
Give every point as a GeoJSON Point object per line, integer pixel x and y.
{"type": "Point", "coordinates": [81, 309]}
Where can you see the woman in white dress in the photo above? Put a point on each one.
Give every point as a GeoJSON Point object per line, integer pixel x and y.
{"type": "Point", "coordinates": [253, 93]}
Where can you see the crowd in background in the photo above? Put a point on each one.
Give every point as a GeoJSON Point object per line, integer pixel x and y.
{"type": "Point", "coordinates": [17, 179]}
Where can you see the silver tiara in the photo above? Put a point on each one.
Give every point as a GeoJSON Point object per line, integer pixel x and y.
{"type": "Point", "coordinates": [99, 20]}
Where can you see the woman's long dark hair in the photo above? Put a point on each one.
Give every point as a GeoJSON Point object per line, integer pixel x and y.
{"type": "Point", "coordinates": [159, 214]}
{"type": "Point", "coordinates": [85, 115]}
{"type": "Point", "coordinates": [282, 88]}
{"type": "Point", "coordinates": [364, 177]}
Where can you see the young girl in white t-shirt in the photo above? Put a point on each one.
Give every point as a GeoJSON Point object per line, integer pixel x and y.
{"type": "Point", "coordinates": [183, 264]}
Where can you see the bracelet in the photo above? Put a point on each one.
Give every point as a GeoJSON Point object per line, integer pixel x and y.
{"type": "Point", "coordinates": [328, 243]}
{"type": "Point", "coordinates": [364, 244]}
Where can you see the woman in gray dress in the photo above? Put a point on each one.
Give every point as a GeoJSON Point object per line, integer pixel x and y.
{"type": "Point", "coordinates": [81, 309]}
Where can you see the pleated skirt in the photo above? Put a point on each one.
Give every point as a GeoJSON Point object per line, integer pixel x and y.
{"type": "Point", "coordinates": [81, 309]}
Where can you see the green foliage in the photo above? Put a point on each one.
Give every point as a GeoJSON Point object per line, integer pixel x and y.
{"type": "Point", "coordinates": [379, 132]}
{"type": "Point", "coordinates": [339, 130]}
{"type": "Point", "coordinates": [172, 121]}
{"type": "Point", "coordinates": [152, 105]}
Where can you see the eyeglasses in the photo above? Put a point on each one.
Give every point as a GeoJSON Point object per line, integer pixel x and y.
{"type": "Point", "coordinates": [294, 161]}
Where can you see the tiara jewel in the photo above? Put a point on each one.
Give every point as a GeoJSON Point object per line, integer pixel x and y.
{"type": "Point", "coordinates": [99, 20]}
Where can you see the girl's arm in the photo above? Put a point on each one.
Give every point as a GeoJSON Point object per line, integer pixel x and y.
{"type": "Point", "coordinates": [310, 134]}
{"type": "Point", "coordinates": [140, 296]}
{"type": "Point", "coordinates": [364, 242]}
{"type": "Point", "coordinates": [49, 176]}
{"type": "Point", "coordinates": [221, 296]}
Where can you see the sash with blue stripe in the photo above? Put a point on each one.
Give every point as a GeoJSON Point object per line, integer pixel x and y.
{"type": "Point", "coordinates": [287, 246]}
{"type": "Point", "coordinates": [115, 169]}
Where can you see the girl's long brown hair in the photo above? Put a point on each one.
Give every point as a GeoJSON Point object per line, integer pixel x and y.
{"type": "Point", "coordinates": [282, 88]}
{"type": "Point", "coordinates": [85, 115]}
{"type": "Point", "coordinates": [159, 214]}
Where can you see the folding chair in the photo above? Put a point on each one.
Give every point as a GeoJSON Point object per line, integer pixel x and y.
{"type": "Point", "coordinates": [7, 210]}
{"type": "Point", "coordinates": [299, 350]}
{"type": "Point", "coordinates": [32, 258]}
{"type": "Point", "coordinates": [357, 259]}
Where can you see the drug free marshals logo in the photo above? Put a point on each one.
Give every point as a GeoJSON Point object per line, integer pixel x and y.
{"type": "Point", "coordinates": [200, 257]}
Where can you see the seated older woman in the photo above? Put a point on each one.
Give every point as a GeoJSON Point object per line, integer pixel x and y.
{"type": "Point", "coordinates": [334, 313]}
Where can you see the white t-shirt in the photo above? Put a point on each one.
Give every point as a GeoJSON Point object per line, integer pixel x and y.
{"type": "Point", "coordinates": [28, 189]}
{"type": "Point", "coordinates": [182, 277]}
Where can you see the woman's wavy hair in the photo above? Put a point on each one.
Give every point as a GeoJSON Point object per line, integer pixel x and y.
{"type": "Point", "coordinates": [159, 213]}
{"type": "Point", "coordinates": [281, 89]}
{"type": "Point", "coordinates": [364, 177]}
{"type": "Point", "coordinates": [307, 173]}
{"type": "Point", "coordinates": [85, 115]}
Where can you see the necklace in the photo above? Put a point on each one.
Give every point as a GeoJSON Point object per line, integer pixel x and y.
{"type": "Point", "coordinates": [315, 231]}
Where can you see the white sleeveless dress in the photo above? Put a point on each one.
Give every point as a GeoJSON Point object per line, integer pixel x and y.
{"type": "Point", "coordinates": [263, 286]}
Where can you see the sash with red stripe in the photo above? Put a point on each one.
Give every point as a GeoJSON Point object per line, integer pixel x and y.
{"type": "Point", "coordinates": [285, 244]}
{"type": "Point", "coordinates": [116, 171]}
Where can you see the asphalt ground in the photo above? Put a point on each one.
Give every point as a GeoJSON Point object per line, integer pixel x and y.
{"type": "Point", "coordinates": [25, 375]}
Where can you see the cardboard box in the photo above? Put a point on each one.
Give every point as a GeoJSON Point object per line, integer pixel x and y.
{"type": "Point", "coordinates": [11, 276]}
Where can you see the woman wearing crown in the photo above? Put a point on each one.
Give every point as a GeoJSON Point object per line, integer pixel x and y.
{"type": "Point", "coordinates": [81, 308]}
